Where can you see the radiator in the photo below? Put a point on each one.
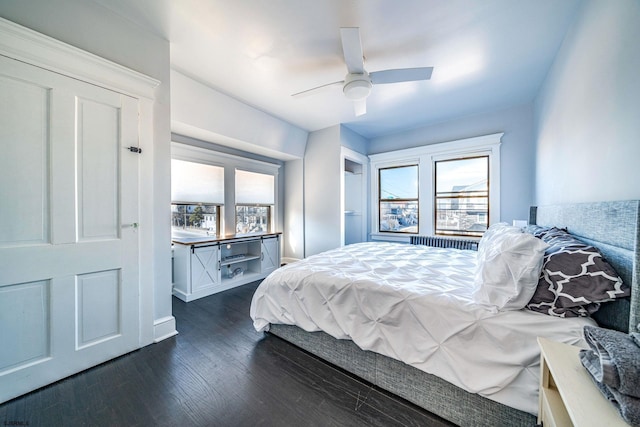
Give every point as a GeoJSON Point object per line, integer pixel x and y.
{"type": "Point", "coordinates": [445, 242]}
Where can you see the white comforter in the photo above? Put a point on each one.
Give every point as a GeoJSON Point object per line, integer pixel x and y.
{"type": "Point", "coordinates": [414, 304]}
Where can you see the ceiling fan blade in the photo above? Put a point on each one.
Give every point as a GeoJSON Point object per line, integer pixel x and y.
{"type": "Point", "coordinates": [360, 107]}
{"type": "Point", "coordinates": [308, 91]}
{"type": "Point", "coordinates": [401, 75]}
{"type": "Point", "coordinates": [352, 49]}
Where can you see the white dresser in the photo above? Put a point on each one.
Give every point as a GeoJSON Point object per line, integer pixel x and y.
{"type": "Point", "coordinates": [204, 266]}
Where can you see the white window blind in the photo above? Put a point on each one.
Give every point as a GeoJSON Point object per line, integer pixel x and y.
{"type": "Point", "coordinates": [254, 188]}
{"type": "Point", "coordinates": [193, 182]}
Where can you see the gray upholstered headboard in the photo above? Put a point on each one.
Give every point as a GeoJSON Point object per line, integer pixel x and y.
{"type": "Point", "coordinates": [614, 228]}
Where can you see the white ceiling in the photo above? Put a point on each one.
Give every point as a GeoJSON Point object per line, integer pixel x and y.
{"type": "Point", "coordinates": [486, 54]}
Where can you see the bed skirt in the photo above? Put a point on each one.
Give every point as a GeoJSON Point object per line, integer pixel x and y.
{"type": "Point", "coordinates": [425, 390]}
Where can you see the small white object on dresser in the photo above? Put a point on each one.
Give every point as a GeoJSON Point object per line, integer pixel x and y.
{"type": "Point", "coordinates": [568, 395]}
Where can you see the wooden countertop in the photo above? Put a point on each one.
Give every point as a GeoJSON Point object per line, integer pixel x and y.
{"type": "Point", "coordinates": [201, 240]}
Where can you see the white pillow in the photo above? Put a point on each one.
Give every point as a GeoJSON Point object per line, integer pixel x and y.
{"type": "Point", "coordinates": [493, 231]}
{"type": "Point", "coordinates": [508, 270]}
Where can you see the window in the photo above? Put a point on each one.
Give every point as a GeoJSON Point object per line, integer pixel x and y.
{"type": "Point", "coordinates": [255, 195]}
{"type": "Point", "coordinates": [197, 192]}
{"type": "Point", "coordinates": [462, 196]}
{"type": "Point", "coordinates": [398, 202]}
{"type": "Point", "coordinates": [253, 219]}
{"type": "Point", "coordinates": [201, 219]}
{"type": "Point", "coordinates": [204, 201]}
{"type": "Point", "coordinates": [454, 186]}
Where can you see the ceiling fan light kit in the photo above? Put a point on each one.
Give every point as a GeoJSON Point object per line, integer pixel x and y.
{"type": "Point", "coordinates": [357, 86]}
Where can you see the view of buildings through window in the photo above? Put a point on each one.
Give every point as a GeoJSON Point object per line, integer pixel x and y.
{"type": "Point", "coordinates": [462, 196]}
{"type": "Point", "coordinates": [197, 218]}
{"type": "Point", "coordinates": [398, 203]}
{"type": "Point", "coordinates": [253, 219]}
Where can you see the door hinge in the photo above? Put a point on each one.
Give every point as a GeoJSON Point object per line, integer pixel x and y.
{"type": "Point", "coordinates": [135, 149]}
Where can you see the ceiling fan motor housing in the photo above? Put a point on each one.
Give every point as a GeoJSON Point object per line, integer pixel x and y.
{"type": "Point", "coordinates": [357, 86]}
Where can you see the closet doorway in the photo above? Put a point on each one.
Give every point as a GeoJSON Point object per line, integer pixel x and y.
{"type": "Point", "coordinates": [354, 197]}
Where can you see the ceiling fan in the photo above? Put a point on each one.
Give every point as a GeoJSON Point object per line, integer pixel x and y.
{"type": "Point", "coordinates": [358, 82]}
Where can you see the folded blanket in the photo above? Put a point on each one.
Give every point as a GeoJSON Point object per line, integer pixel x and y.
{"type": "Point", "coordinates": [616, 359]}
{"type": "Point", "coordinates": [628, 406]}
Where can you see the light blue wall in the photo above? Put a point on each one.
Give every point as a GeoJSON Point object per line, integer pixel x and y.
{"type": "Point", "coordinates": [353, 140]}
{"type": "Point", "coordinates": [587, 115]}
{"type": "Point", "coordinates": [516, 152]}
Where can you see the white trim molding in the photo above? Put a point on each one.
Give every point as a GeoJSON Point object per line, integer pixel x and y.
{"type": "Point", "coordinates": [20, 43]}
{"type": "Point", "coordinates": [425, 156]}
{"type": "Point", "coordinates": [164, 328]}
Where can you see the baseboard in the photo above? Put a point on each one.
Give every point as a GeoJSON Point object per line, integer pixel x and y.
{"type": "Point", "coordinates": [164, 328]}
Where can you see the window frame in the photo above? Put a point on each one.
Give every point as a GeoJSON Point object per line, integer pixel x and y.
{"type": "Point", "coordinates": [425, 156]}
{"type": "Point", "coordinates": [217, 214]}
{"type": "Point", "coordinates": [436, 197]}
{"type": "Point", "coordinates": [381, 200]}
{"type": "Point", "coordinates": [230, 163]}
{"type": "Point", "coordinates": [249, 205]}
{"type": "Point", "coordinates": [270, 208]}
{"type": "Point", "coordinates": [180, 153]}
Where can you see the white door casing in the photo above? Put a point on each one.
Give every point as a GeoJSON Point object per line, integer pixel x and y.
{"type": "Point", "coordinates": [354, 226]}
{"type": "Point", "coordinates": [69, 269]}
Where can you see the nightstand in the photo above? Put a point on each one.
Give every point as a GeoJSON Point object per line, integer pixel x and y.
{"type": "Point", "coordinates": [568, 395]}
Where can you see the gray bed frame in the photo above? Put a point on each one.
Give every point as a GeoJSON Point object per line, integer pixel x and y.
{"type": "Point", "coordinates": [613, 227]}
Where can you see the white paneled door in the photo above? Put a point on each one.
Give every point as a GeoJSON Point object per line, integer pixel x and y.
{"type": "Point", "coordinates": [69, 281]}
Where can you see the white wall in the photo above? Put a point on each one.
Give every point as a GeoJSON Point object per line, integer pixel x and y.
{"type": "Point", "coordinates": [199, 111]}
{"type": "Point", "coordinates": [516, 152]}
{"type": "Point", "coordinates": [93, 28]}
{"type": "Point", "coordinates": [588, 111]}
{"type": "Point", "coordinates": [293, 231]}
{"type": "Point", "coordinates": [322, 213]}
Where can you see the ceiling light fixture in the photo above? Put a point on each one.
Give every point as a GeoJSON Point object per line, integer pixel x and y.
{"type": "Point", "coordinates": [357, 86]}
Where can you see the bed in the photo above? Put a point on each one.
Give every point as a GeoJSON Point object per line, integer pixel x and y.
{"type": "Point", "coordinates": [464, 399]}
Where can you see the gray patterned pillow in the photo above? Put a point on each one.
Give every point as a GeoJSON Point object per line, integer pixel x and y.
{"type": "Point", "coordinates": [536, 230]}
{"type": "Point", "coordinates": [540, 231]}
{"type": "Point", "coordinates": [575, 278]}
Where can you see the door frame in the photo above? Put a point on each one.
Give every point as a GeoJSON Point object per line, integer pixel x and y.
{"type": "Point", "coordinates": [354, 156]}
{"type": "Point", "coordinates": [28, 46]}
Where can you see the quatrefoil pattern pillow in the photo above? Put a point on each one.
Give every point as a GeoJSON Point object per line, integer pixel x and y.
{"type": "Point", "coordinates": [575, 278]}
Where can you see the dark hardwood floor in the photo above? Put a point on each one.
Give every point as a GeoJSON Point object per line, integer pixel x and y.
{"type": "Point", "coordinates": [217, 372]}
